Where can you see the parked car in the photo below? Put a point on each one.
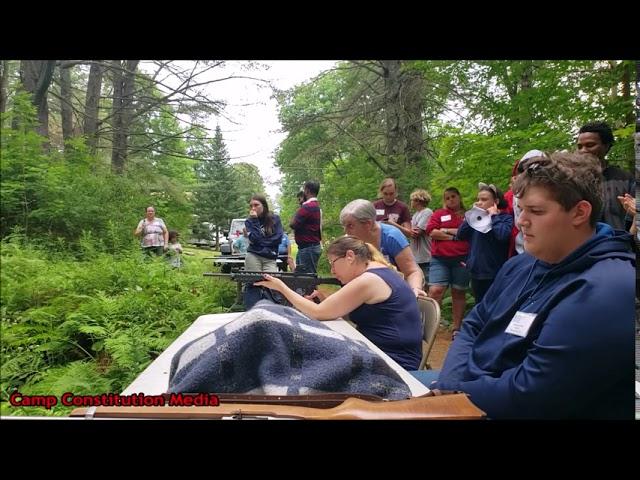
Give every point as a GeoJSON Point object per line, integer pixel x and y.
{"type": "Point", "coordinates": [235, 230]}
{"type": "Point", "coordinates": [204, 235]}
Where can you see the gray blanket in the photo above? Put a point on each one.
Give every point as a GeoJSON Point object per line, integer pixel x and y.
{"type": "Point", "coordinates": [276, 350]}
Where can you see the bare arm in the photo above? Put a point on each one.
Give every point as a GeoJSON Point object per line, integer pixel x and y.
{"type": "Point", "coordinates": [405, 228]}
{"type": "Point", "coordinates": [140, 228]}
{"type": "Point", "coordinates": [362, 289]}
{"type": "Point", "coordinates": [290, 261]}
{"type": "Point", "coordinates": [443, 233]}
{"type": "Point", "coordinates": [412, 274]}
{"type": "Point", "coordinates": [165, 235]}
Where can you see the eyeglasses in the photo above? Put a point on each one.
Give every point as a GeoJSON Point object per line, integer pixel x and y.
{"type": "Point", "coordinates": [331, 262]}
{"type": "Point", "coordinates": [255, 204]}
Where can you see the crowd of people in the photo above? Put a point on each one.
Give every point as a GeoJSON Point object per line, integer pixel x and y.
{"type": "Point", "coordinates": [550, 263]}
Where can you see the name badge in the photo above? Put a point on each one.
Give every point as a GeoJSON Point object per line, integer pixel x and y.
{"type": "Point", "coordinates": [521, 323]}
{"type": "Point", "coordinates": [379, 211]}
{"type": "Point", "coordinates": [445, 218]}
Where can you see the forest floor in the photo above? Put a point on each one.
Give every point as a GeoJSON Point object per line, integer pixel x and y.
{"type": "Point", "coordinates": [440, 347]}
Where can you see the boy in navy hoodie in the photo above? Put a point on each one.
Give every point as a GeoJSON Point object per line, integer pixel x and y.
{"type": "Point", "coordinates": [554, 335]}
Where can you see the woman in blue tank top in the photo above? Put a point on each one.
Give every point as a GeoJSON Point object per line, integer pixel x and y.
{"type": "Point", "coordinates": [374, 295]}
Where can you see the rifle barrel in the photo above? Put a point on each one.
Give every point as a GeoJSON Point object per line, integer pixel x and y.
{"type": "Point", "coordinates": [289, 278]}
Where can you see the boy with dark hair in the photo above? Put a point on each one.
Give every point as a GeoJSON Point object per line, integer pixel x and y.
{"type": "Point", "coordinates": [597, 139]}
{"type": "Point", "coordinates": [554, 335]}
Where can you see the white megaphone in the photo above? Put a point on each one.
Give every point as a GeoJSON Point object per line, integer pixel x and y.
{"type": "Point", "coordinates": [479, 219]}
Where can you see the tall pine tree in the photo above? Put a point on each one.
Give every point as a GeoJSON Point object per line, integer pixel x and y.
{"type": "Point", "coordinates": [217, 199]}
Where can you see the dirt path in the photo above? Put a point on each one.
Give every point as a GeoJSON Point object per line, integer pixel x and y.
{"type": "Point", "coordinates": [440, 347]}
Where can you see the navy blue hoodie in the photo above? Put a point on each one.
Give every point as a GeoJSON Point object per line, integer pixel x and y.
{"type": "Point", "coordinates": [260, 243]}
{"type": "Point", "coordinates": [576, 361]}
{"type": "Point", "coordinates": [487, 251]}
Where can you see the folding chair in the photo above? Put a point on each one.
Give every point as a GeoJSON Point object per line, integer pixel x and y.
{"type": "Point", "coordinates": [430, 316]}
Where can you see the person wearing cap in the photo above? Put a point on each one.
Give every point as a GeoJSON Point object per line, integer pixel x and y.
{"type": "Point", "coordinates": [516, 240]}
{"type": "Point", "coordinates": [487, 228]}
{"type": "Point", "coordinates": [597, 139]}
{"type": "Point", "coordinates": [553, 337]}
{"type": "Point", "coordinates": [449, 255]}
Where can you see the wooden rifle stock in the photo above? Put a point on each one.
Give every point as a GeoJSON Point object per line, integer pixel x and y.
{"type": "Point", "coordinates": [443, 407]}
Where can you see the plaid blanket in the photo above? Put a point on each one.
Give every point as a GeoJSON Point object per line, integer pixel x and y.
{"type": "Point", "coordinates": [276, 350]}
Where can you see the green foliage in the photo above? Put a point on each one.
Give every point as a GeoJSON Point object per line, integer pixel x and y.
{"type": "Point", "coordinates": [467, 158]}
{"type": "Point", "coordinates": [23, 166]}
{"type": "Point", "coordinates": [248, 181]}
{"type": "Point", "coordinates": [217, 198]}
{"type": "Point", "coordinates": [79, 378]}
{"type": "Point", "coordinates": [62, 201]}
{"type": "Point", "coordinates": [92, 326]}
{"type": "Point", "coordinates": [479, 117]}
{"type": "Point", "coordinates": [351, 178]}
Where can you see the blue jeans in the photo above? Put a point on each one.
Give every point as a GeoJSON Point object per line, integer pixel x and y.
{"type": "Point", "coordinates": [253, 295]}
{"type": "Point", "coordinates": [425, 376]}
{"type": "Point", "coordinates": [449, 271]}
{"type": "Point", "coordinates": [307, 259]}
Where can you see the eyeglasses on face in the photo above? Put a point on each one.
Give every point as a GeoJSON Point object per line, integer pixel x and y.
{"type": "Point", "coordinates": [331, 262]}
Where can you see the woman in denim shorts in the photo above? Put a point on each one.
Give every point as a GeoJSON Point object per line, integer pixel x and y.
{"type": "Point", "coordinates": [449, 255]}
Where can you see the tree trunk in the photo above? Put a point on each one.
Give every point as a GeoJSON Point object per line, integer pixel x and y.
{"type": "Point", "coordinates": [393, 114]}
{"type": "Point", "coordinates": [123, 87]}
{"type": "Point", "coordinates": [66, 110]}
{"type": "Point", "coordinates": [403, 116]}
{"type": "Point", "coordinates": [525, 83]}
{"type": "Point", "coordinates": [413, 103]}
{"type": "Point", "coordinates": [629, 117]}
{"type": "Point", "coordinates": [613, 92]}
{"type": "Point", "coordinates": [4, 78]}
{"type": "Point", "coordinates": [36, 76]}
{"type": "Point", "coordinates": [94, 88]}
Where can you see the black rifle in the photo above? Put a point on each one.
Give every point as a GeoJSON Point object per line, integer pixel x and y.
{"type": "Point", "coordinates": [301, 283]}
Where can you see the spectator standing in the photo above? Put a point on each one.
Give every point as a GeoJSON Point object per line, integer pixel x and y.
{"type": "Point", "coordinates": [391, 210]}
{"type": "Point", "coordinates": [420, 241]}
{"type": "Point", "coordinates": [597, 138]}
{"type": "Point", "coordinates": [306, 225]}
{"type": "Point", "coordinates": [154, 234]}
